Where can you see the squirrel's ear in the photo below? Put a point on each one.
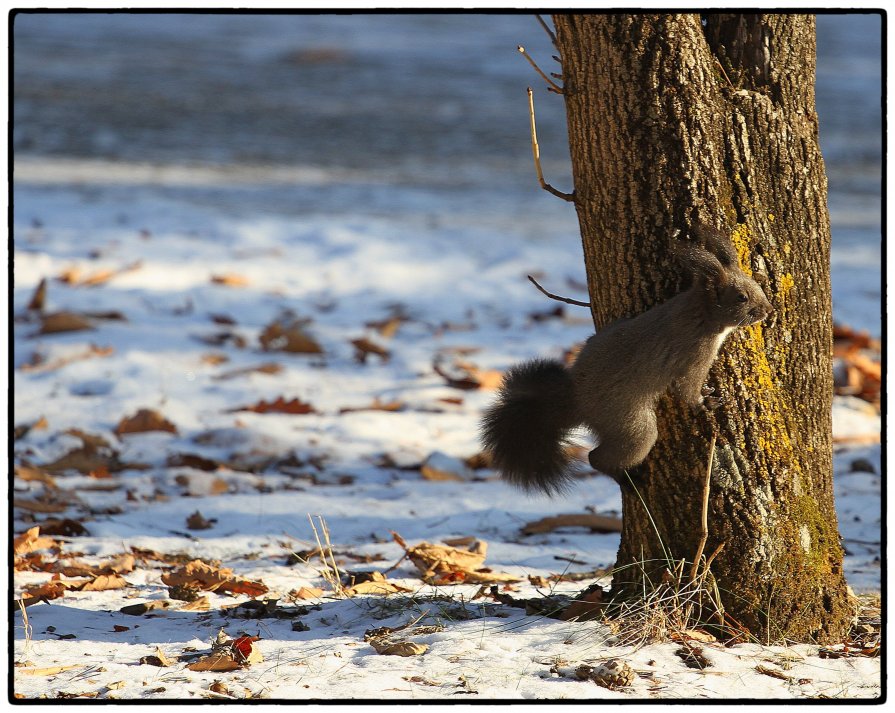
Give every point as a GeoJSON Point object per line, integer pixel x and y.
{"type": "Point", "coordinates": [717, 243]}
{"type": "Point", "coordinates": [700, 261]}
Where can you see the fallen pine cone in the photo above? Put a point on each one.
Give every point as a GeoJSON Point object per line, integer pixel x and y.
{"type": "Point", "coordinates": [613, 673]}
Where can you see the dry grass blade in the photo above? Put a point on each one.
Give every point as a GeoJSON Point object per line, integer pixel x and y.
{"type": "Point", "coordinates": [330, 571]}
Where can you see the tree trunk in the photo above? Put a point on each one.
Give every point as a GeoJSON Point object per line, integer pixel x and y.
{"type": "Point", "coordinates": [674, 120]}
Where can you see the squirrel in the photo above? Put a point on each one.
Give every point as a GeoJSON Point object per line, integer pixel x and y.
{"type": "Point", "coordinates": [620, 374]}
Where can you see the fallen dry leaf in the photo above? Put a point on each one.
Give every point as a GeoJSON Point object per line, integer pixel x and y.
{"type": "Point", "coordinates": [306, 593]}
{"type": "Point", "coordinates": [230, 279]}
{"type": "Point", "coordinates": [214, 359]}
{"type": "Point", "coordinates": [143, 421]}
{"type": "Point", "coordinates": [387, 327]}
{"type": "Point", "coordinates": [469, 376]}
{"type": "Point", "coordinates": [378, 587]}
{"type": "Point", "coordinates": [31, 540]}
{"type": "Point", "coordinates": [157, 659]}
{"type": "Point", "coordinates": [439, 466]}
{"type": "Point", "coordinates": [443, 564]}
{"type": "Point", "coordinates": [489, 379]}
{"type": "Point", "coordinates": [398, 648]}
{"type": "Point", "coordinates": [197, 521]}
{"type": "Point", "coordinates": [287, 335]}
{"type": "Point", "coordinates": [692, 635]}
{"type": "Point", "coordinates": [103, 582]}
{"type": "Point", "coordinates": [199, 575]}
{"type": "Point", "coordinates": [88, 439]}
{"type": "Point", "coordinates": [44, 366]}
{"type": "Point", "coordinates": [57, 322]}
{"type": "Point", "coordinates": [364, 347]}
{"type": "Point", "coordinates": [24, 429]}
{"type": "Point", "coordinates": [428, 557]}
{"type": "Point", "coordinates": [245, 651]}
{"type": "Point", "coordinates": [594, 522]}
{"type": "Point", "coordinates": [39, 298]}
{"type": "Point", "coordinates": [122, 564]}
{"type": "Point", "coordinates": [52, 589]}
{"type": "Point", "coordinates": [29, 473]}
{"type": "Point", "coordinates": [219, 662]}
{"type": "Point", "coordinates": [145, 607]}
{"type": "Point", "coordinates": [191, 460]}
{"type": "Point", "coordinates": [377, 405]}
{"type": "Point", "coordinates": [65, 527]}
{"type": "Point", "coordinates": [279, 405]}
{"type": "Point", "coordinates": [270, 367]}
{"type": "Point", "coordinates": [40, 506]}
{"type": "Point", "coordinates": [72, 276]}
{"type": "Point", "coordinates": [200, 604]}
{"type": "Point", "coordinates": [85, 459]}
{"type": "Point", "coordinates": [589, 607]}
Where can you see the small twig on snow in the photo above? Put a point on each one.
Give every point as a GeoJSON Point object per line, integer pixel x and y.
{"type": "Point", "coordinates": [536, 152]}
{"type": "Point", "coordinates": [552, 86]}
{"type": "Point", "coordinates": [567, 300]}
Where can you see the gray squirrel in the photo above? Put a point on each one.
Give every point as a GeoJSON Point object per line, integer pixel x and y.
{"type": "Point", "coordinates": [620, 374]}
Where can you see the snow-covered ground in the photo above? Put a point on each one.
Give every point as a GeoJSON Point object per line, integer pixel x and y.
{"type": "Point", "coordinates": [432, 270]}
{"type": "Point", "coordinates": [461, 292]}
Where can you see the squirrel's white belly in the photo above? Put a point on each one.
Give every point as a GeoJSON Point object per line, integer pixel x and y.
{"type": "Point", "coordinates": [719, 340]}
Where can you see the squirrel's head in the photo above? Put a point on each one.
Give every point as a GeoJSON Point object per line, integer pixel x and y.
{"type": "Point", "coordinates": [734, 298]}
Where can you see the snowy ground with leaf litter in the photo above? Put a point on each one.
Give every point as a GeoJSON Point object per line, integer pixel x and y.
{"type": "Point", "coordinates": [179, 334]}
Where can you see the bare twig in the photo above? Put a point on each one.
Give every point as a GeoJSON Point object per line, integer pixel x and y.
{"type": "Point", "coordinates": [733, 88]}
{"type": "Point", "coordinates": [536, 152]}
{"type": "Point", "coordinates": [567, 300]}
{"type": "Point", "coordinates": [551, 85]}
{"type": "Point", "coordinates": [704, 523]}
{"type": "Point", "coordinates": [711, 558]}
{"type": "Point", "coordinates": [547, 29]}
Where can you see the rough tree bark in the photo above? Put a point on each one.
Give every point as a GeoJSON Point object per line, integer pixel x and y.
{"type": "Point", "coordinates": [662, 137]}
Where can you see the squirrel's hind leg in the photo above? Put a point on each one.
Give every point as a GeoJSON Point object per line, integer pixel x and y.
{"type": "Point", "coordinates": [623, 449]}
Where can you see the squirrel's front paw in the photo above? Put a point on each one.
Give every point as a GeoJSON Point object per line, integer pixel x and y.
{"type": "Point", "coordinates": [707, 402]}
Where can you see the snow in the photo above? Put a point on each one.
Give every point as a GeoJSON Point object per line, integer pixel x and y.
{"type": "Point", "coordinates": [446, 246]}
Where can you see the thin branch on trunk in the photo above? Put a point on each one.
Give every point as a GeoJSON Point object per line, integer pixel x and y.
{"type": "Point", "coordinates": [536, 152]}
{"type": "Point", "coordinates": [551, 85]}
{"type": "Point", "coordinates": [547, 29]}
{"type": "Point", "coordinates": [733, 88]}
{"type": "Point", "coordinates": [704, 523]}
{"type": "Point", "coordinates": [567, 300]}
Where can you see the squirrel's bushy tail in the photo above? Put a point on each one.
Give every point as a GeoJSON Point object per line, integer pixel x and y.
{"type": "Point", "coordinates": [525, 430]}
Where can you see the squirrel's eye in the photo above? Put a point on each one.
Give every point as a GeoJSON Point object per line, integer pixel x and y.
{"type": "Point", "coordinates": [742, 297]}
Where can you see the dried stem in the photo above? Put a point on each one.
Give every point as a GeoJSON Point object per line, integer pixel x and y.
{"type": "Point", "coordinates": [330, 571]}
{"type": "Point", "coordinates": [704, 523]}
{"type": "Point", "coordinates": [567, 300]}
{"type": "Point", "coordinates": [551, 85]}
{"type": "Point", "coordinates": [536, 152]}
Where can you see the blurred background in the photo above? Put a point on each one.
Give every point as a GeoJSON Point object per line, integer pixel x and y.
{"type": "Point", "coordinates": [418, 116]}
